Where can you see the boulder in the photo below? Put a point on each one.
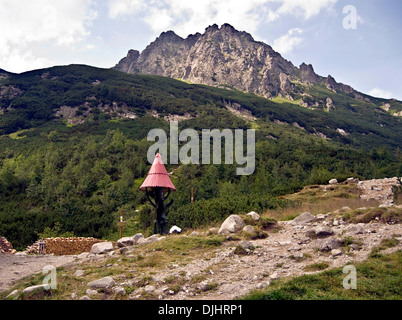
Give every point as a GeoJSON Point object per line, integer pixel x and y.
{"type": "Point", "coordinates": [254, 215]}
{"type": "Point", "coordinates": [304, 218]}
{"type": "Point", "coordinates": [246, 245]}
{"type": "Point", "coordinates": [327, 244]}
{"type": "Point", "coordinates": [323, 232]}
{"type": "Point", "coordinates": [119, 290]}
{"type": "Point", "coordinates": [333, 181]}
{"type": "Point", "coordinates": [232, 224]}
{"type": "Point", "coordinates": [104, 283]}
{"type": "Point", "coordinates": [249, 230]}
{"type": "Point", "coordinates": [148, 240]}
{"type": "Point", "coordinates": [137, 237]}
{"type": "Point", "coordinates": [336, 252]}
{"type": "Point", "coordinates": [355, 229]}
{"type": "Point", "coordinates": [125, 242]}
{"type": "Point", "coordinates": [102, 247]}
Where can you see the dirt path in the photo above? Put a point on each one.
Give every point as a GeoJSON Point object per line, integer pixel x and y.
{"type": "Point", "coordinates": [13, 268]}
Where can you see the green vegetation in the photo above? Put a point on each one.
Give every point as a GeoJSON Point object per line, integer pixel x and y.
{"type": "Point", "coordinates": [378, 278]}
{"type": "Point", "coordinates": [77, 179]}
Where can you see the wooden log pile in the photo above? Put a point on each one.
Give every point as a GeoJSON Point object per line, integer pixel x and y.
{"type": "Point", "coordinates": [63, 246]}
{"type": "Point", "coordinates": [6, 247]}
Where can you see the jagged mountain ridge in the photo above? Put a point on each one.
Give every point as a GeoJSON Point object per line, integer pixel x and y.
{"type": "Point", "coordinates": [227, 57]}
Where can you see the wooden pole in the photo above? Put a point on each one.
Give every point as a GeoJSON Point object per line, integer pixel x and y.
{"type": "Point", "coordinates": [192, 194]}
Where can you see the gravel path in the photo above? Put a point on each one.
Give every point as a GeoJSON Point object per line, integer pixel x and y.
{"type": "Point", "coordinates": [13, 268]}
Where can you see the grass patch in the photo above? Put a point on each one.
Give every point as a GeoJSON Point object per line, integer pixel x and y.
{"type": "Point", "coordinates": [378, 278]}
{"type": "Point", "coordinates": [385, 215]}
{"type": "Point", "coordinates": [319, 266]}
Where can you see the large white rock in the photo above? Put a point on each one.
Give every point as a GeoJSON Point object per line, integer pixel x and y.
{"type": "Point", "coordinates": [232, 224]}
{"type": "Point", "coordinates": [254, 215]}
{"type": "Point", "coordinates": [102, 247]}
{"type": "Point", "coordinates": [104, 283]}
{"type": "Point", "coordinates": [40, 287]}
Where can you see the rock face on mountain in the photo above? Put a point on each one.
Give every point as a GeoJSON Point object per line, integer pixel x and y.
{"type": "Point", "coordinates": [225, 57]}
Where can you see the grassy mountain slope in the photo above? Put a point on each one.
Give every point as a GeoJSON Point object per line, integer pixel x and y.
{"type": "Point", "coordinates": [73, 149]}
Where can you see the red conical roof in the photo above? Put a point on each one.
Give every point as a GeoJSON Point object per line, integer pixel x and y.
{"type": "Point", "coordinates": [157, 176]}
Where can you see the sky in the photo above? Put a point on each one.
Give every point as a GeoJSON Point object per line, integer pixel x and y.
{"type": "Point", "coordinates": [357, 42]}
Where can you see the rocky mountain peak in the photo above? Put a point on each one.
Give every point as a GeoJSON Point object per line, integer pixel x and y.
{"type": "Point", "coordinates": [307, 74]}
{"type": "Point", "coordinates": [224, 56]}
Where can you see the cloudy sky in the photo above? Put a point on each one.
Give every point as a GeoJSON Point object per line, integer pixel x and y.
{"type": "Point", "coordinates": [356, 41]}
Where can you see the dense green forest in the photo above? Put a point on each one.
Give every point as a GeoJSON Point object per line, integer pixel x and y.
{"type": "Point", "coordinates": [80, 177]}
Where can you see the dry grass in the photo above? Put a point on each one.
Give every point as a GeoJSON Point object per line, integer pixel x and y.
{"type": "Point", "coordinates": [321, 199]}
{"type": "Point", "coordinates": [323, 206]}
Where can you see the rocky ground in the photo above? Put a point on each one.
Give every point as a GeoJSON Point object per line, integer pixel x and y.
{"type": "Point", "coordinates": [17, 267]}
{"type": "Point", "coordinates": [226, 271]}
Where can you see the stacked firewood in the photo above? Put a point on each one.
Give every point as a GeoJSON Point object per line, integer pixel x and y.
{"type": "Point", "coordinates": [62, 246]}
{"type": "Point", "coordinates": [5, 246]}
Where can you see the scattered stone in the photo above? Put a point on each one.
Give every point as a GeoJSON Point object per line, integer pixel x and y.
{"type": "Point", "coordinates": [254, 215]}
{"type": "Point", "coordinates": [249, 230]}
{"type": "Point", "coordinates": [333, 181]}
{"type": "Point", "coordinates": [232, 224]}
{"type": "Point", "coordinates": [327, 244]}
{"type": "Point", "coordinates": [336, 252]}
{"type": "Point", "coordinates": [137, 237]}
{"type": "Point", "coordinates": [148, 240]}
{"type": "Point", "coordinates": [12, 294]}
{"type": "Point", "coordinates": [354, 246]}
{"type": "Point", "coordinates": [91, 292]}
{"type": "Point", "coordinates": [246, 245]}
{"type": "Point", "coordinates": [79, 273]}
{"type": "Point", "coordinates": [125, 241]}
{"type": "Point", "coordinates": [102, 247]}
{"type": "Point", "coordinates": [104, 283]}
{"type": "Point", "coordinates": [149, 289]}
{"type": "Point", "coordinates": [119, 290]}
{"type": "Point", "coordinates": [194, 234]}
{"type": "Point", "coordinates": [323, 232]}
{"type": "Point", "coordinates": [73, 296]}
{"type": "Point", "coordinates": [304, 218]}
{"type": "Point", "coordinates": [123, 250]}
{"type": "Point", "coordinates": [262, 285]}
{"type": "Point", "coordinates": [355, 229]}
{"type": "Point", "coordinates": [85, 298]}
{"type": "Point", "coordinates": [274, 276]}
{"type": "Point", "coordinates": [83, 255]}
{"type": "Point", "coordinates": [39, 287]}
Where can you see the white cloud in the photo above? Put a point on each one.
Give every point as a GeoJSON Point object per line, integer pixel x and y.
{"type": "Point", "coordinates": [185, 17]}
{"type": "Point", "coordinates": [27, 27]}
{"type": "Point", "coordinates": [305, 9]}
{"type": "Point", "coordinates": [118, 8]}
{"type": "Point", "coordinates": [288, 42]}
{"type": "Point", "coordinates": [380, 93]}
